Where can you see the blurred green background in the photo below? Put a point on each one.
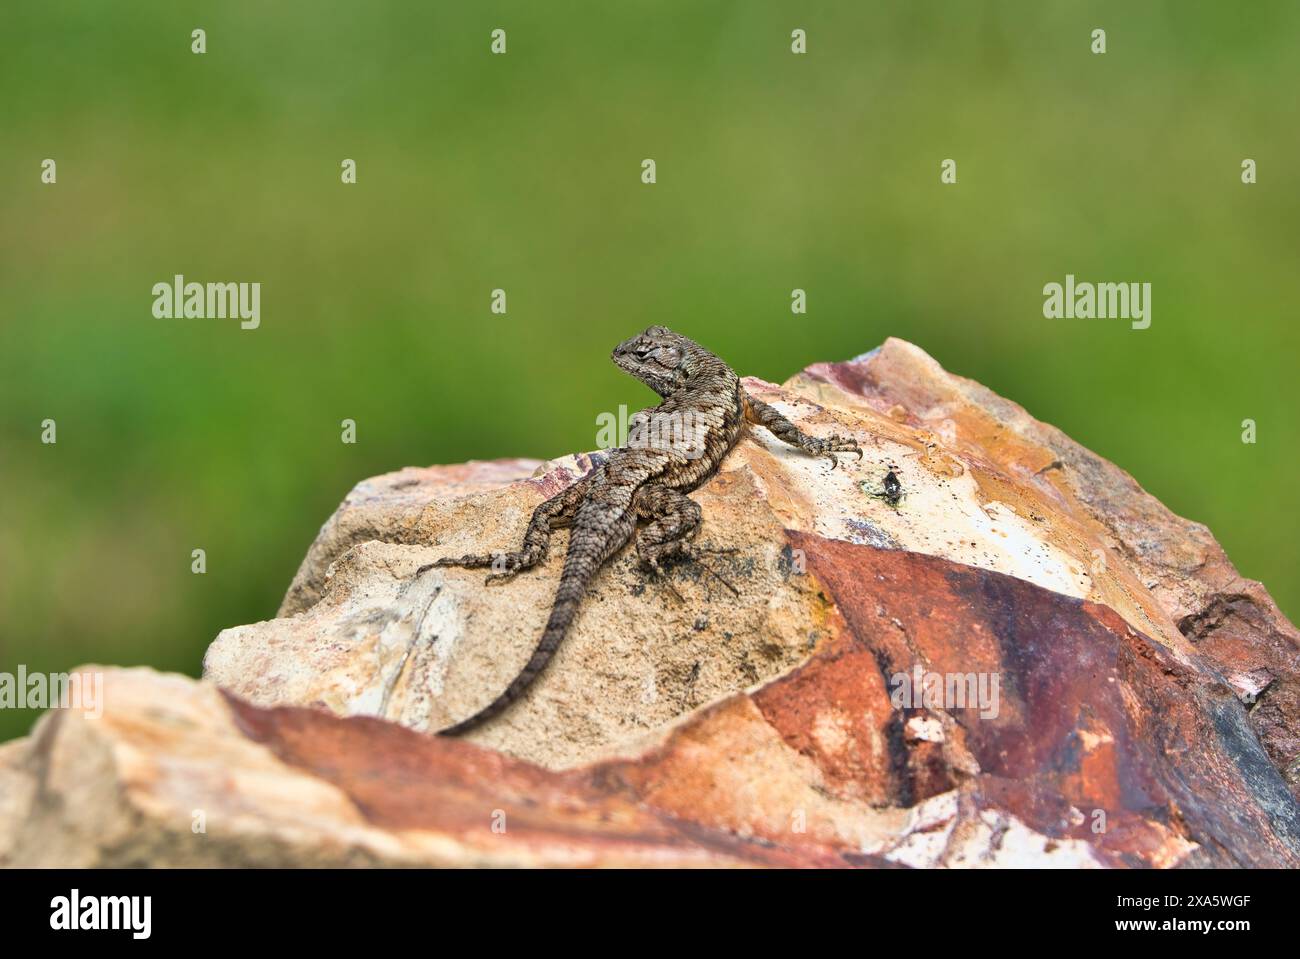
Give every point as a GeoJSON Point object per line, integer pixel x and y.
{"type": "Point", "coordinates": [522, 171]}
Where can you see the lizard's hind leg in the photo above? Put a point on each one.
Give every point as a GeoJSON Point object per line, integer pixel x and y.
{"type": "Point", "coordinates": [555, 513]}
{"type": "Point", "coordinates": [674, 520]}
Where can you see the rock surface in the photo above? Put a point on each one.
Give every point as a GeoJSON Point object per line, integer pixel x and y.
{"type": "Point", "coordinates": [1109, 691]}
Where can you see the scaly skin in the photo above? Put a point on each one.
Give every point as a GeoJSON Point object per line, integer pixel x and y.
{"type": "Point", "coordinates": [673, 448]}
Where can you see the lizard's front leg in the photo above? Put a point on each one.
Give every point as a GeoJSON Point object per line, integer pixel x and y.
{"type": "Point", "coordinates": [555, 513]}
{"type": "Point", "coordinates": [759, 413]}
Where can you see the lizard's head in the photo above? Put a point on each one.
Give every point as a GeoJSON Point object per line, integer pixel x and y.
{"type": "Point", "coordinates": [661, 359]}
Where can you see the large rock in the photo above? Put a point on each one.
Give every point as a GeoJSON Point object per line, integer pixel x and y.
{"type": "Point", "coordinates": [1115, 693]}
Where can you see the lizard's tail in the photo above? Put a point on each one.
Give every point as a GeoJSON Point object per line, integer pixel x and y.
{"type": "Point", "coordinates": [567, 600]}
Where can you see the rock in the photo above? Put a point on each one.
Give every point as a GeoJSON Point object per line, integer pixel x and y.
{"type": "Point", "coordinates": [1027, 661]}
{"type": "Point", "coordinates": [425, 652]}
{"type": "Point", "coordinates": [177, 774]}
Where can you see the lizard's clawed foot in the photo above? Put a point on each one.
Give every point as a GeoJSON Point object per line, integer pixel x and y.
{"type": "Point", "coordinates": [679, 551]}
{"type": "Point", "coordinates": [458, 561]}
{"type": "Point", "coordinates": [838, 444]}
{"type": "Point", "coordinates": [653, 568]}
{"type": "Point", "coordinates": [692, 553]}
{"type": "Point", "coordinates": [469, 561]}
{"type": "Point", "coordinates": [504, 565]}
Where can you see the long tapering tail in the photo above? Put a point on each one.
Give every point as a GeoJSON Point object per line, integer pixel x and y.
{"type": "Point", "coordinates": [578, 571]}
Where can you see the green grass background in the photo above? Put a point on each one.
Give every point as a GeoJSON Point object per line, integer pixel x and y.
{"type": "Point", "coordinates": [522, 171]}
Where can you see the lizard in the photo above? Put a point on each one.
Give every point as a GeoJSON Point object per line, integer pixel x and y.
{"type": "Point", "coordinates": [640, 489]}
